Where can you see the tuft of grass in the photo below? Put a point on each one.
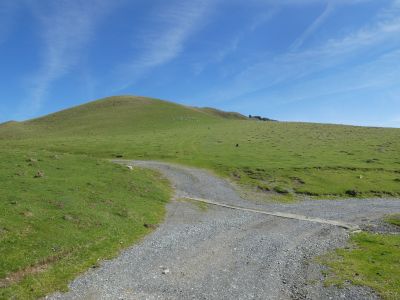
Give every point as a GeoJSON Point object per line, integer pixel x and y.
{"type": "Point", "coordinates": [56, 226]}
{"type": "Point", "coordinates": [372, 260]}
{"type": "Point", "coordinates": [393, 219]}
{"type": "Point", "coordinates": [200, 205]}
{"type": "Point", "coordinates": [281, 190]}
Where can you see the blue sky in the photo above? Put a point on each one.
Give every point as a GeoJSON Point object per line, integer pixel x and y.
{"type": "Point", "coordinates": [334, 61]}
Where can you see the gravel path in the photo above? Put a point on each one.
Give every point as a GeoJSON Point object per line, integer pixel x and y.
{"type": "Point", "coordinates": [221, 253]}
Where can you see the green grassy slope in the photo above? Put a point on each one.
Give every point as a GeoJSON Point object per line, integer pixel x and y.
{"type": "Point", "coordinates": [56, 225]}
{"type": "Point", "coordinates": [299, 158]}
{"type": "Point", "coordinates": [61, 213]}
{"type": "Point", "coordinates": [122, 115]}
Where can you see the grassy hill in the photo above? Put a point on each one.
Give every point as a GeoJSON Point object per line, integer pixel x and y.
{"type": "Point", "coordinates": [272, 157]}
{"type": "Point", "coordinates": [64, 206]}
{"type": "Point", "coordinates": [122, 115]}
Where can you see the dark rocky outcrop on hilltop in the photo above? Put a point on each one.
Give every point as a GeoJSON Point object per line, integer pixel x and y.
{"type": "Point", "coordinates": [261, 118]}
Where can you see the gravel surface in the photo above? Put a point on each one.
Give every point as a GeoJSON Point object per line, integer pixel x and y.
{"type": "Point", "coordinates": [380, 226]}
{"type": "Point", "coordinates": [220, 253]}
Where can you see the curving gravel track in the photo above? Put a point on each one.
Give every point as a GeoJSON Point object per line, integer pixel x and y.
{"type": "Point", "coordinates": [222, 253]}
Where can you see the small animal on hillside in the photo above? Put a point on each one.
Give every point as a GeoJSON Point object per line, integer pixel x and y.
{"type": "Point", "coordinates": [237, 145]}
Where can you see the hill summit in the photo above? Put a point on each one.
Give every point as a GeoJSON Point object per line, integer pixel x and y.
{"type": "Point", "coordinates": [119, 115]}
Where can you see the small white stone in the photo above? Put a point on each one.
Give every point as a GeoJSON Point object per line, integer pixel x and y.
{"type": "Point", "coordinates": [165, 271]}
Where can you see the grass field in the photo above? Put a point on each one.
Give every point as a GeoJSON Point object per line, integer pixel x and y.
{"type": "Point", "coordinates": [61, 213]}
{"type": "Point", "coordinates": [64, 206]}
{"type": "Point", "coordinates": [372, 260]}
{"type": "Point", "coordinates": [273, 157]}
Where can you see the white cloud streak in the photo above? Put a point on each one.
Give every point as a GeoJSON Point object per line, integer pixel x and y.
{"type": "Point", "coordinates": [384, 32]}
{"type": "Point", "coordinates": [231, 46]}
{"type": "Point", "coordinates": [66, 29]}
{"type": "Point", "coordinates": [174, 26]}
{"type": "Point", "coordinates": [263, 18]}
{"type": "Point", "coordinates": [377, 74]}
{"type": "Point", "coordinates": [313, 27]}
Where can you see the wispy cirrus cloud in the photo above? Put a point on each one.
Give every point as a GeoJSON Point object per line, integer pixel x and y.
{"type": "Point", "coordinates": [263, 18]}
{"type": "Point", "coordinates": [382, 32]}
{"type": "Point", "coordinates": [313, 27]}
{"type": "Point", "coordinates": [66, 28]}
{"type": "Point", "coordinates": [377, 74]}
{"type": "Point", "coordinates": [173, 25]}
{"type": "Point", "coordinates": [231, 46]}
{"type": "Point", "coordinates": [217, 56]}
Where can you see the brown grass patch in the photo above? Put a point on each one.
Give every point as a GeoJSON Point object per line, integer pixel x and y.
{"type": "Point", "coordinates": [17, 276]}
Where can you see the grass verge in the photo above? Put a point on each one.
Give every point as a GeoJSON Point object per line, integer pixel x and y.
{"type": "Point", "coordinates": [373, 260]}
{"type": "Point", "coordinates": [62, 213]}
{"type": "Point", "coordinates": [393, 219]}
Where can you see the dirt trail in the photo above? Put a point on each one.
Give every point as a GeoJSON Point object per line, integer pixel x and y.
{"type": "Point", "coordinates": [222, 253]}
